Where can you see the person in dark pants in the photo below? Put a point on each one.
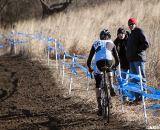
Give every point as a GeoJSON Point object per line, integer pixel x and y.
{"type": "Point", "coordinates": [105, 52]}
{"type": "Point", "coordinates": [137, 45]}
{"type": "Point", "coordinates": [121, 43]}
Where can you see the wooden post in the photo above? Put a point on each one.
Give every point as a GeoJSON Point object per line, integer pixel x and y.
{"type": "Point", "coordinates": [71, 80]}
{"type": "Point", "coordinates": [14, 43]}
{"type": "Point", "coordinates": [48, 55]}
{"type": "Point", "coordinates": [87, 83]}
{"type": "Point", "coordinates": [56, 54]}
{"type": "Point", "coordinates": [70, 85]}
{"type": "Point", "coordinates": [121, 93]}
{"type": "Point", "coordinates": [143, 101]}
{"type": "Point", "coordinates": [13, 46]}
{"type": "Point", "coordinates": [64, 57]}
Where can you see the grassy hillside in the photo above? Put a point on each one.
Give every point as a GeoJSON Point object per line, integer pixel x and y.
{"type": "Point", "coordinates": [78, 26]}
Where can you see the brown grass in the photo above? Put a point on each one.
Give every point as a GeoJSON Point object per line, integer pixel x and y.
{"type": "Point", "coordinates": [78, 28]}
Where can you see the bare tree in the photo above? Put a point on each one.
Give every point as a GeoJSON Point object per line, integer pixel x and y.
{"type": "Point", "coordinates": [50, 8]}
{"type": "Point", "coordinates": [3, 4]}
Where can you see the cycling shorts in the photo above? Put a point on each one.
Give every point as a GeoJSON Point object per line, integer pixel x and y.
{"type": "Point", "coordinates": [102, 63]}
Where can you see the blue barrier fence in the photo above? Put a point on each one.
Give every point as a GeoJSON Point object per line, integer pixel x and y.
{"type": "Point", "coordinates": [124, 85]}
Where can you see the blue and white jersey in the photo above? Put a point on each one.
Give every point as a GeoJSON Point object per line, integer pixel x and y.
{"type": "Point", "coordinates": [95, 69]}
{"type": "Point", "coordinates": [103, 49]}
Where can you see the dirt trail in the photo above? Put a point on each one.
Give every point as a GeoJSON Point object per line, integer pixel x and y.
{"type": "Point", "coordinates": [32, 98]}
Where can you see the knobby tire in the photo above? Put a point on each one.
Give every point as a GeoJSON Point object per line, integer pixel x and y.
{"type": "Point", "coordinates": [106, 101]}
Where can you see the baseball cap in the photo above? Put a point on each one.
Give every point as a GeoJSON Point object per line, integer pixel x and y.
{"type": "Point", "coordinates": [132, 21]}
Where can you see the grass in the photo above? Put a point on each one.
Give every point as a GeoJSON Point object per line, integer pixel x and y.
{"type": "Point", "coordinates": [78, 28]}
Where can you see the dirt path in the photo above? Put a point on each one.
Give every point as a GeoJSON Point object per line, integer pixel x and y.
{"type": "Point", "coordinates": [32, 98]}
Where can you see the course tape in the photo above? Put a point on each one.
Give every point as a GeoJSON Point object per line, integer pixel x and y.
{"type": "Point", "coordinates": [50, 48]}
{"type": "Point", "coordinates": [156, 106]}
{"type": "Point", "coordinates": [123, 84]}
{"type": "Point", "coordinates": [128, 88]}
{"type": "Point", "coordinates": [2, 45]}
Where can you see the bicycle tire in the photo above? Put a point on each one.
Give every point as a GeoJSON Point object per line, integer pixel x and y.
{"type": "Point", "coordinates": [105, 100]}
{"type": "Point", "coordinates": [106, 108]}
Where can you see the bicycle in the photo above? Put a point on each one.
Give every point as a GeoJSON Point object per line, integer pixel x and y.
{"type": "Point", "coordinates": [105, 93]}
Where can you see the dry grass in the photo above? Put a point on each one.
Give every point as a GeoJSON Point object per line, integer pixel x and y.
{"type": "Point", "coordinates": [78, 28]}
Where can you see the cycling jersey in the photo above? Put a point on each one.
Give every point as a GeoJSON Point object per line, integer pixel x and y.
{"type": "Point", "coordinates": [103, 50]}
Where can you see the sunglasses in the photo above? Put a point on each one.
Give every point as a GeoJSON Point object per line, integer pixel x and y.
{"type": "Point", "coordinates": [131, 24]}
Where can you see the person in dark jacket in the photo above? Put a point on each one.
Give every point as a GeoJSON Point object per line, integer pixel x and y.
{"type": "Point", "coordinates": [121, 43]}
{"type": "Point", "coordinates": [137, 45]}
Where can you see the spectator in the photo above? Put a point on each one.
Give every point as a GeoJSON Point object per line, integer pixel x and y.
{"type": "Point", "coordinates": [121, 43]}
{"type": "Point", "coordinates": [137, 45]}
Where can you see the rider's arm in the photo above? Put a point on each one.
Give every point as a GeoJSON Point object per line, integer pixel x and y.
{"type": "Point", "coordinates": [115, 55]}
{"type": "Point", "coordinates": [91, 54]}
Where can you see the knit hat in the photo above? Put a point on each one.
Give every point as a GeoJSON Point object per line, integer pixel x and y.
{"type": "Point", "coordinates": [132, 21]}
{"type": "Point", "coordinates": [121, 30]}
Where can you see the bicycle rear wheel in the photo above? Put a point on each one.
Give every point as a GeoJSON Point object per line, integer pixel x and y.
{"type": "Point", "coordinates": [105, 102]}
{"type": "Point", "coordinates": [106, 108]}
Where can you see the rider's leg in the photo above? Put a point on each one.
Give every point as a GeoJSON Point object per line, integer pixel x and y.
{"type": "Point", "coordinates": [98, 97]}
{"type": "Point", "coordinates": [98, 79]}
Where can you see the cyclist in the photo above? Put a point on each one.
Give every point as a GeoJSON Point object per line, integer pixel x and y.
{"type": "Point", "coordinates": [104, 51]}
